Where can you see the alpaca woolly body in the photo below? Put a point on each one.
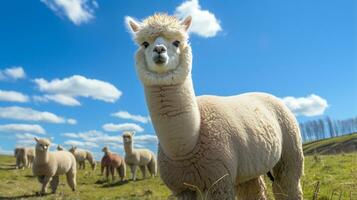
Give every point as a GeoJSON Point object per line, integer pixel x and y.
{"type": "Point", "coordinates": [24, 157]}
{"type": "Point", "coordinates": [56, 163]}
{"type": "Point", "coordinates": [81, 155]}
{"type": "Point", "coordinates": [202, 139]}
{"type": "Point", "coordinates": [111, 162]}
{"type": "Point", "coordinates": [138, 157]}
{"type": "Point", "coordinates": [48, 166]}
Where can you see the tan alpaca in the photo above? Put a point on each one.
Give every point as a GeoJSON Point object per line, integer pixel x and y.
{"type": "Point", "coordinates": [201, 139]}
{"type": "Point", "coordinates": [48, 166]}
{"type": "Point", "coordinates": [24, 157]}
{"type": "Point", "coordinates": [81, 156]}
{"type": "Point", "coordinates": [138, 157]}
{"type": "Point", "coordinates": [111, 162]}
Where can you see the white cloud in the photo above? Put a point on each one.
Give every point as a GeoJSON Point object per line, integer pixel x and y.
{"type": "Point", "coordinates": [127, 115]}
{"type": "Point", "coordinates": [88, 138]}
{"type": "Point", "coordinates": [12, 73]}
{"type": "Point", "coordinates": [204, 23]}
{"type": "Point", "coordinates": [311, 105]}
{"type": "Point", "coordinates": [58, 98]}
{"type": "Point", "coordinates": [26, 136]}
{"type": "Point", "coordinates": [65, 91]}
{"type": "Point", "coordinates": [122, 127]}
{"type": "Point", "coordinates": [13, 96]}
{"type": "Point", "coordinates": [81, 144]}
{"type": "Point", "coordinates": [78, 11]}
{"type": "Point", "coordinates": [22, 128]}
{"type": "Point", "coordinates": [71, 121]}
{"type": "Point", "coordinates": [28, 114]}
{"type": "Point", "coordinates": [146, 139]}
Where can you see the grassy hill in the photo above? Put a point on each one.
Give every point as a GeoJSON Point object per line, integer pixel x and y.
{"type": "Point", "coordinates": [343, 144]}
{"type": "Point", "coordinates": [336, 174]}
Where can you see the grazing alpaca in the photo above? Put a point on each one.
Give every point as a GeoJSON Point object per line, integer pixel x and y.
{"type": "Point", "coordinates": [138, 157]}
{"type": "Point", "coordinates": [112, 161]}
{"type": "Point", "coordinates": [24, 157]}
{"type": "Point", "coordinates": [60, 148]}
{"type": "Point", "coordinates": [81, 156]}
{"type": "Point", "coordinates": [201, 139]}
{"type": "Point", "coordinates": [48, 166]}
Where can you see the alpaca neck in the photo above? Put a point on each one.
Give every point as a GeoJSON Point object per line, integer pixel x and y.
{"type": "Point", "coordinates": [128, 147]}
{"type": "Point", "coordinates": [42, 156]}
{"type": "Point", "coordinates": [175, 116]}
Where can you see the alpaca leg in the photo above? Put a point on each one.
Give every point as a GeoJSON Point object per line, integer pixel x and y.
{"type": "Point", "coordinates": [71, 179]}
{"type": "Point", "coordinates": [45, 182]}
{"type": "Point", "coordinates": [133, 172]}
{"type": "Point", "coordinates": [286, 183]}
{"type": "Point", "coordinates": [102, 170]}
{"type": "Point", "coordinates": [121, 171]}
{"type": "Point", "coordinates": [40, 179]}
{"type": "Point", "coordinates": [112, 170]}
{"type": "Point", "coordinates": [252, 190]}
{"type": "Point", "coordinates": [54, 183]}
{"type": "Point", "coordinates": [143, 171]}
{"type": "Point", "coordinates": [107, 170]}
{"type": "Point", "coordinates": [84, 164]}
{"type": "Point", "coordinates": [152, 168]}
{"type": "Point", "coordinates": [17, 162]}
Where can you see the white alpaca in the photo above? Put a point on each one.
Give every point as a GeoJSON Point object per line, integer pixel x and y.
{"type": "Point", "coordinates": [138, 157]}
{"type": "Point", "coordinates": [81, 156]}
{"type": "Point", "coordinates": [24, 157]}
{"type": "Point", "coordinates": [48, 166]}
{"type": "Point", "coordinates": [201, 139]}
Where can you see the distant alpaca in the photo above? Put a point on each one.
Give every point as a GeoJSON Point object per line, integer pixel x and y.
{"type": "Point", "coordinates": [112, 161]}
{"type": "Point", "coordinates": [82, 155]}
{"type": "Point", "coordinates": [48, 166]}
{"type": "Point", "coordinates": [138, 157]}
{"type": "Point", "coordinates": [201, 139]}
{"type": "Point", "coordinates": [60, 148]}
{"type": "Point", "coordinates": [24, 157]}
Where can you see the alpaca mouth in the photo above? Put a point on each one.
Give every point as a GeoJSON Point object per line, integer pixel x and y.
{"type": "Point", "coordinates": [159, 60]}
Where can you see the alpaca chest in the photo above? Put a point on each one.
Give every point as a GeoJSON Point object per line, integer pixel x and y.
{"type": "Point", "coordinates": [202, 169]}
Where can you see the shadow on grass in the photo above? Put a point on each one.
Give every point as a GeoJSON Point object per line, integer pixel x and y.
{"type": "Point", "coordinates": [113, 184]}
{"type": "Point", "coordinates": [24, 196]}
{"type": "Point", "coordinates": [7, 167]}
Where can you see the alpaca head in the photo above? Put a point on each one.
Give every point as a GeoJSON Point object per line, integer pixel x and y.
{"type": "Point", "coordinates": [59, 148]}
{"type": "Point", "coordinates": [42, 144]}
{"type": "Point", "coordinates": [19, 151]}
{"type": "Point", "coordinates": [128, 137]}
{"type": "Point", "coordinates": [164, 55]}
{"type": "Point", "coordinates": [105, 149]}
{"type": "Point", "coordinates": [72, 149]}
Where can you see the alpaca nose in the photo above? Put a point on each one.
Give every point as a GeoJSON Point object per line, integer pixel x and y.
{"type": "Point", "coordinates": [160, 49]}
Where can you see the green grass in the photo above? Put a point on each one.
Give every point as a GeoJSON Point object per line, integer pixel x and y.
{"type": "Point", "coordinates": [20, 184]}
{"type": "Point", "coordinates": [336, 173]}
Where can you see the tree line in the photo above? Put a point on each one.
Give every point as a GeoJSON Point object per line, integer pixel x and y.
{"type": "Point", "coordinates": [327, 128]}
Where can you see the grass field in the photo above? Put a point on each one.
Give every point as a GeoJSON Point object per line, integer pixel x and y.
{"type": "Point", "coordinates": [337, 175]}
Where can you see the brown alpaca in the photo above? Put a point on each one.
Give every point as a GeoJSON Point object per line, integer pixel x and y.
{"type": "Point", "coordinates": [112, 161]}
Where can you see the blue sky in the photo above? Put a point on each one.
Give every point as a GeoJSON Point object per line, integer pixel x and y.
{"type": "Point", "coordinates": [304, 50]}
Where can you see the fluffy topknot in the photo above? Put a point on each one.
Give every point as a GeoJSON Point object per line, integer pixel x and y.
{"type": "Point", "coordinates": [161, 24]}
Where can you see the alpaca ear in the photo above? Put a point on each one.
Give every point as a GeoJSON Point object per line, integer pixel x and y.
{"type": "Point", "coordinates": [133, 25]}
{"type": "Point", "coordinates": [132, 133]}
{"type": "Point", "coordinates": [36, 139]}
{"type": "Point", "coordinates": [187, 22]}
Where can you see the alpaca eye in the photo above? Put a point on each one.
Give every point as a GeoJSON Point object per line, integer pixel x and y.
{"type": "Point", "coordinates": [176, 43]}
{"type": "Point", "coordinates": [145, 44]}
